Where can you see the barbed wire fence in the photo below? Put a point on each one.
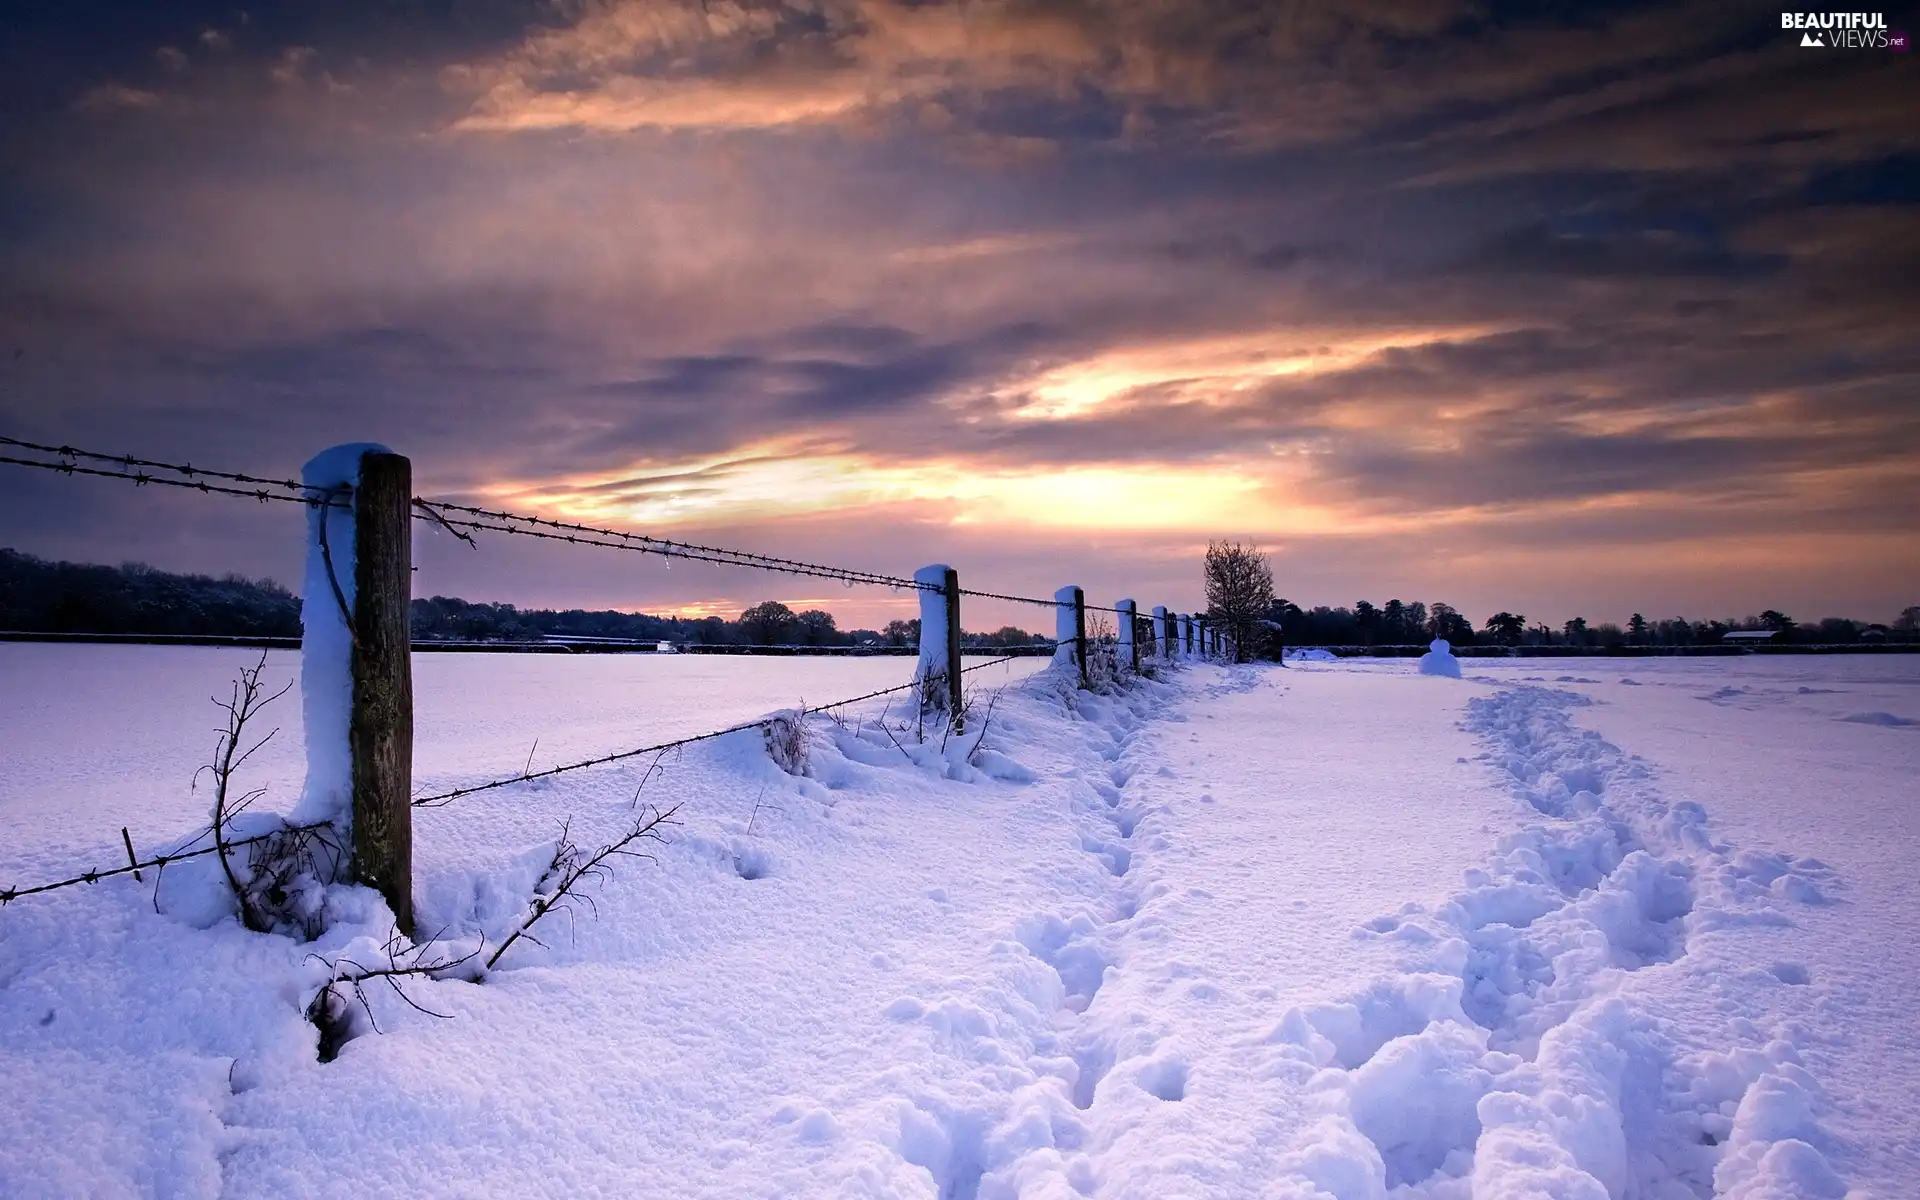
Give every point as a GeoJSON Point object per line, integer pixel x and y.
{"type": "Point", "coordinates": [937, 678]}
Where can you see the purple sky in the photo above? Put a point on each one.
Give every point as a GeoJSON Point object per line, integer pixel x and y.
{"type": "Point", "coordinates": [1569, 309]}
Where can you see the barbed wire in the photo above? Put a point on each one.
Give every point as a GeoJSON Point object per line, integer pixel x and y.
{"type": "Point", "coordinates": [441, 799]}
{"type": "Point", "coordinates": [1035, 600]}
{"type": "Point", "coordinates": [649, 544]}
{"type": "Point", "coordinates": [140, 472]}
{"type": "Point", "coordinates": [130, 462]}
{"type": "Point", "coordinates": [584, 535]}
{"type": "Point", "coordinates": [142, 479]}
{"type": "Point", "coordinates": [9, 895]}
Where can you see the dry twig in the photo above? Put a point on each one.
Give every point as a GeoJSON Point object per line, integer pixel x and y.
{"type": "Point", "coordinates": [570, 867]}
{"type": "Point", "coordinates": [331, 1009]}
{"type": "Point", "coordinates": [242, 706]}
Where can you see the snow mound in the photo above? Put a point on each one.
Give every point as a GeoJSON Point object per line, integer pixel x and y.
{"type": "Point", "coordinates": [1312, 654]}
{"type": "Point", "coordinates": [1439, 660]}
{"type": "Point", "coordinates": [1886, 719]}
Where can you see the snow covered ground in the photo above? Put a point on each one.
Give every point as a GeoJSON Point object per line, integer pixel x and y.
{"type": "Point", "coordinates": [1333, 930]}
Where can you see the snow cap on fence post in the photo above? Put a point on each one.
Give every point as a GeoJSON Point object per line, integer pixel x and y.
{"type": "Point", "coordinates": [1160, 647]}
{"type": "Point", "coordinates": [934, 680]}
{"type": "Point", "coordinates": [1129, 646]}
{"type": "Point", "coordinates": [356, 674]}
{"type": "Point", "coordinates": [326, 639]}
{"type": "Point", "coordinates": [1186, 635]}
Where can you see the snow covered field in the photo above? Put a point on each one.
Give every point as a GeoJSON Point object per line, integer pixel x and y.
{"type": "Point", "coordinates": [1340, 929]}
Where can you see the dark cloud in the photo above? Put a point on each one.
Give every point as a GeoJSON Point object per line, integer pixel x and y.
{"type": "Point", "coordinates": [1630, 274]}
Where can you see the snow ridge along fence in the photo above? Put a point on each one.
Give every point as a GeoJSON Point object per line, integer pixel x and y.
{"type": "Point", "coordinates": [356, 680]}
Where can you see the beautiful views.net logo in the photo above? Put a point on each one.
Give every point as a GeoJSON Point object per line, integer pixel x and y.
{"type": "Point", "coordinates": [1847, 31]}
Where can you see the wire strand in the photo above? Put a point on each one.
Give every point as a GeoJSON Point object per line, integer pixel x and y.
{"type": "Point", "coordinates": [128, 460]}
{"type": "Point", "coordinates": [583, 535]}
{"type": "Point", "coordinates": [9, 895]}
{"type": "Point", "coordinates": [443, 798]}
{"type": "Point", "coordinates": [140, 472]}
{"type": "Point", "coordinates": [142, 479]}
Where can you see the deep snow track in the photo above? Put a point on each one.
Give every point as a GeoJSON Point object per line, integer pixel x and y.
{"type": "Point", "coordinates": [1521, 1053]}
{"type": "Point", "coordinates": [1243, 933]}
{"type": "Point", "coordinates": [1226, 1024]}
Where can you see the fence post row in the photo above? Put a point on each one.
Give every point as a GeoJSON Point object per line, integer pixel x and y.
{"type": "Point", "coordinates": [1129, 644]}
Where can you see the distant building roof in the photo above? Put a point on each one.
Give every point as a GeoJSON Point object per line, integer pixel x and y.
{"type": "Point", "coordinates": [1748, 635]}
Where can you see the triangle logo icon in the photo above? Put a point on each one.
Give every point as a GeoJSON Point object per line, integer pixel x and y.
{"type": "Point", "coordinates": [1808, 39]}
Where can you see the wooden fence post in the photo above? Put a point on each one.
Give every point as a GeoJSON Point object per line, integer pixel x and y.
{"type": "Point", "coordinates": [1129, 643]}
{"type": "Point", "coordinates": [1080, 635]}
{"type": "Point", "coordinates": [1160, 647]}
{"type": "Point", "coordinates": [953, 650]}
{"type": "Point", "coordinates": [380, 729]}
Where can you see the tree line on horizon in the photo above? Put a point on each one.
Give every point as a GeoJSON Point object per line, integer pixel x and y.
{"type": "Point", "coordinates": [42, 596]}
{"type": "Point", "coordinates": [1398, 623]}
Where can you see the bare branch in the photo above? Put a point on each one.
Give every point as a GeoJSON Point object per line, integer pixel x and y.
{"type": "Point", "coordinates": [569, 868]}
{"type": "Point", "coordinates": [331, 1009]}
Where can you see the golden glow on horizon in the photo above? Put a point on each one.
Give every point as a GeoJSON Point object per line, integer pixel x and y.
{"type": "Point", "coordinates": [985, 247]}
{"type": "Point", "coordinates": [1256, 493]}
{"type": "Point", "coordinates": [1210, 370]}
{"type": "Point", "coordinates": [766, 485]}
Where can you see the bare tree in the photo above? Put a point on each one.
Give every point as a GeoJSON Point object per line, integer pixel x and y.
{"type": "Point", "coordinates": [1239, 594]}
{"type": "Point", "coordinates": [767, 623]}
{"type": "Point", "coordinates": [816, 627]}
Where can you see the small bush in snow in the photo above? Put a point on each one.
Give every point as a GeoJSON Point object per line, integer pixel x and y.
{"type": "Point", "coordinates": [280, 888]}
{"type": "Point", "coordinates": [1103, 657]}
{"type": "Point", "coordinates": [787, 742]}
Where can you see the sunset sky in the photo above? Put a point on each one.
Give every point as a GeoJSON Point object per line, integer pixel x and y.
{"type": "Point", "coordinates": [1568, 309]}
